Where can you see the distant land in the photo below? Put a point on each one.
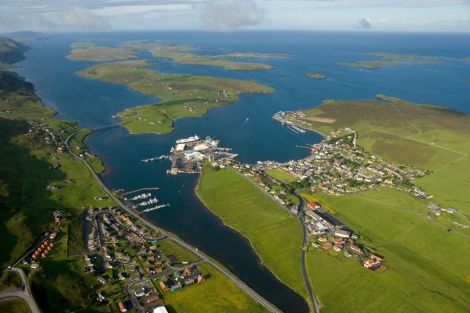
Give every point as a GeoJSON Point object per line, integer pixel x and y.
{"type": "Point", "coordinates": [390, 59]}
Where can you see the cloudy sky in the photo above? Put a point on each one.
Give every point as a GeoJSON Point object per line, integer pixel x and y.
{"type": "Point", "coordinates": [229, 15]}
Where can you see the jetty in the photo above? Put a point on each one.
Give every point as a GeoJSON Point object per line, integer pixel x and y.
{"type": "Point", "coordinates": [139, 190]}
{"type": "Point", "coordinates": [155, 208]}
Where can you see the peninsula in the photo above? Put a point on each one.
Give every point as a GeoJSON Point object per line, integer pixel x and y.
{"type": "Point", "coordinates": [182, 95]}
{"type": "Point", "coordinates": [88, 51]}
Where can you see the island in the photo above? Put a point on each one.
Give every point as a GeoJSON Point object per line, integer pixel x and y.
{"type": "Point", "coordinates": [316, 76]}
{"type": "Point", "coordinates": [383, 59]}
{"type": "Point", "coordinates": [88, 51]}
{"type": "Point", "coordinates": [182, 95]}
{"type": "Point", "coordinates": [381, 201]}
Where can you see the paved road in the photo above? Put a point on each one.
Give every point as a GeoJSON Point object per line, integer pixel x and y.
{"type": "Point", "coordinates": [316, 306]}
{"type": "Point", "coordinates": [268, 305]}
{"type": "Point", "coordinates": [20, 293]}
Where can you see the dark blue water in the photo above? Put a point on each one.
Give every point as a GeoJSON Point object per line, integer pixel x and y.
{"type": "Point", "coordinates": [93, 103]}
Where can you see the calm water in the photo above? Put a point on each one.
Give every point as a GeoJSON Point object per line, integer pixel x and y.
{"type": "Point", "coordinates": [246, 126]}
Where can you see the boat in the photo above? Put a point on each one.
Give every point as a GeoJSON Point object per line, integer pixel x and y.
{"type": "Point", "coordinates": [189, 139]}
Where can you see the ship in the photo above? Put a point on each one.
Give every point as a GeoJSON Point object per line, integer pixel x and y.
{"type": "Point", "coordinates": [189, 139]}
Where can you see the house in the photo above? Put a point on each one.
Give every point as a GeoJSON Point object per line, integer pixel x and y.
{"type": "Point", "coordinates": [176, 286]}
{"type": "Point", "coordinates": [313, 205]}
{"type": "Point", "coordinates": [163, 286]}
{"type": "Point", "coordinates": [373, 262]}
{"type": "Point", "coordinates": [122, 307]}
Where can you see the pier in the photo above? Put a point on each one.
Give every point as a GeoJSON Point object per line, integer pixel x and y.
{"type": "Point", "coordinates": [139, 190]}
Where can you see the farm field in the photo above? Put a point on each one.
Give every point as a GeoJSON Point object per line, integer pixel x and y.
{"type": "Point", "coordinates": [244, 207]}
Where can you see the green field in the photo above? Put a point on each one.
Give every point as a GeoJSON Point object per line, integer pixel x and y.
{"type": "Point", "coordinates": [275, 235]}
{"type": "Point", "coordinates": [181, 95]}
{"type": "Point", "coordinates": [217, 294]}
{"type": "Point", "coordinates": [183, 54]}
{"type": "Point", "coordinates": [14, 306]}
{"type": "Point", "coordinates": [281, 175]}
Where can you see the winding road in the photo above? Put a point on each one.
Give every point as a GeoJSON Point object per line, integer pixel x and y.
{"type": "Point", "coordinates": [268, 305]}
{"type": "Point", "coordinates": [24, 294]}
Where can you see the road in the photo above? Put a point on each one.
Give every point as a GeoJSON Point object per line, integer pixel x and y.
{"type": "Point", "coordinates": [268, 305]}
{"type": "Point", "coordinates": [316, 306]}
{"type": "Point", "coordinates": [20, 293]}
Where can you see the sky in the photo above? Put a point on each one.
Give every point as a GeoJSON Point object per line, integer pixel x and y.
{"type": "Point", "coordinates": [232, 15]}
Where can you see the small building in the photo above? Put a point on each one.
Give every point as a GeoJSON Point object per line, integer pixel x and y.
{"type": "Point", "coordinates": [139, 292]}
{"type": "Point", "coordinates": [342, 233]}
{"type": "Point", "coordinates": [122, 307]}
{"type": "Point", "coordinates": [313, 205]}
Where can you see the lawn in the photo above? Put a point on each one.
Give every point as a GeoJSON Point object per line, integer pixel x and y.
{"type": "Point", "coordinates": [14, 306]}
{"type": "Point", "coordinates": [217, 294]}
{"type": "Point", "coordinates": [281, 175]}
{"type": "Point", "coordinates": [182, 95]}
{"type": "Point", "coordinates": [275, 235]}
{"type": "Point", "coordinates": [427, 265]}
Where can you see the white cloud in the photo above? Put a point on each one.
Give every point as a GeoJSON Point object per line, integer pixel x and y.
{"type": "Point", "coordinates": [81, 18]}
{"type": "Point", "coordinates": [228, 15]}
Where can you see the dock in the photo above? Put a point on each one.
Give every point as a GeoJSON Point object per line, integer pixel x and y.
{"type": "Point", "coordinates": [139, 190]}
{"type": "Point", "coordinates": [154, 208]}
